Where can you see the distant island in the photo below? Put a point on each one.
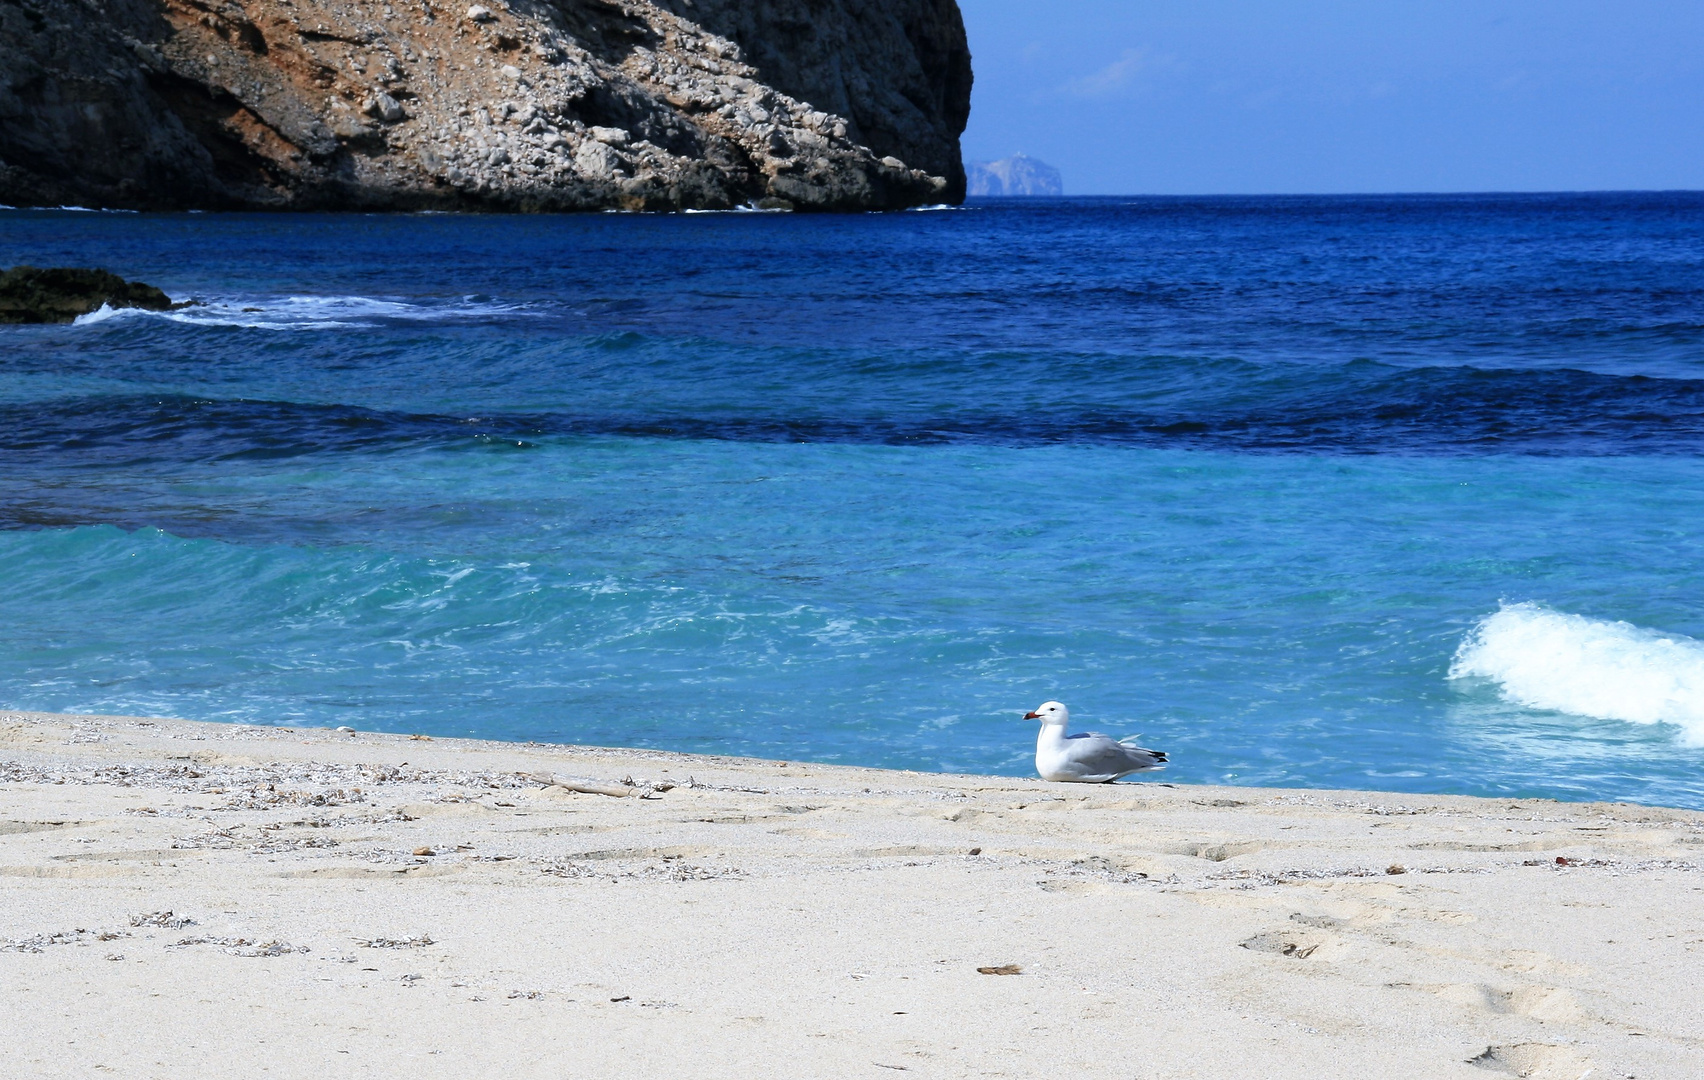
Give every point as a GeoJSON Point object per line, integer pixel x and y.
{"type": "Point", "coordinates": [1019, 174]}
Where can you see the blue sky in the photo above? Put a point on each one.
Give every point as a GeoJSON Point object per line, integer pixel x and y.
{"type": "Point", "coordinates": [1241, 96]}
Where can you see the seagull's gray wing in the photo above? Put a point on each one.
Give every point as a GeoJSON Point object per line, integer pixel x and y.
{"type": "Point", "coordinates": [1091, 754]}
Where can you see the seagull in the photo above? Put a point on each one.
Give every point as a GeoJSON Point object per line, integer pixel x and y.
{"type": "Point", "coordinates": [1086, 758]}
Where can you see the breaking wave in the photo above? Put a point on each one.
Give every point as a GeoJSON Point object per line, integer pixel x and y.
{"type": "Point", "coordinates": [317, 312]}
{"type": "Point", "coordinates": [1544, 659]}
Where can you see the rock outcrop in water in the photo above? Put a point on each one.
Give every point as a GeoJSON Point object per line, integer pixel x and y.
{"type": "Point", "coordinates": [533, 105]}
{"type": "Point", "coordinates": [60, 294]}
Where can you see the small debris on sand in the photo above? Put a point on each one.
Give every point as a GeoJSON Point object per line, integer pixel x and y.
{"type": "Point", "coordinates": [417, 942]}
{"type": "Point", "coordinates": [1003, 969]}
{"type": "Point", "coordinates": [244, 946]}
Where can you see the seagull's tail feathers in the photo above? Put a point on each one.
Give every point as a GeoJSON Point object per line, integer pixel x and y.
{"type": "Point", "coordinates": [1147, 760]}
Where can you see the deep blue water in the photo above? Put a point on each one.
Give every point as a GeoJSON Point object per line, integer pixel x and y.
{"type": "Point", "coordinates": [1240, 475]}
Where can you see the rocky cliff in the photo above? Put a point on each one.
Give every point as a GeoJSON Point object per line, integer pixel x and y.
{"type": "Point", "coordinates": [530, 105]}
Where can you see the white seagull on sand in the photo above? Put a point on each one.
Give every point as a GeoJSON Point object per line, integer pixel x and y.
{"type": "Point", "coordinates": [1087, 758]}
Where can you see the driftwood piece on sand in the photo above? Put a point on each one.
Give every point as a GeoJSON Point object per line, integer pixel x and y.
{"type": "Point", "coordinates": [626, 789]}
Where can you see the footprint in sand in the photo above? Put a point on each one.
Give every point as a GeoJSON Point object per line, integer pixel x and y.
{"type": "Point", "coordinates": [1538, 1061]}
{"type": "Point", "coordinates": [1216, 852]}
{"type": "Point", "coordinates": [1285, 943]}
{"type": "Point", "coordinates": [1545, 1003]}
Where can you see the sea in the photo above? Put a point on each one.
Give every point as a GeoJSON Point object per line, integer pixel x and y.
{"type": "Point", "coordinates": [1396, 493]}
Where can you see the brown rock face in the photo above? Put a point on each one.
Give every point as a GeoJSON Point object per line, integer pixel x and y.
{"type": "Point", "coordinates": [563, 105]}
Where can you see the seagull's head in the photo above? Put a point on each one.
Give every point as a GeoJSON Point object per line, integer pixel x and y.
{"type": "Point", "coordinates": [1049, 712]}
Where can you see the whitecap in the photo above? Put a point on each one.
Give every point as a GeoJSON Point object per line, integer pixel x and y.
{"type": "Point", "coordinates": [101, 314]}
{"type": "Point", "coordinates": [743, 208]}
{"type": "Point", "coordinates": [1608, 670]}
{"type": "Point", "coordinates": [320, 312]}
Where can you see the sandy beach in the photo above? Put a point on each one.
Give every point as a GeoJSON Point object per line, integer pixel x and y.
{"type": "Point", "coordinates": [187, 899]}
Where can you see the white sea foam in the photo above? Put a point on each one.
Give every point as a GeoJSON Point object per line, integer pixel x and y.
{"type": "Point", "coordinates": [100, 314]}
{"type": "Point", "coordinates": [743, 208]}
{"type": "Point", "coordinates": [1544, 659]}
{"type": "Point", "coordinates": [316, 312]}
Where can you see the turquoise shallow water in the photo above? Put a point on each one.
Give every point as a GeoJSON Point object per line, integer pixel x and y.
{"type": "Point", "coordinates": [573, 512]}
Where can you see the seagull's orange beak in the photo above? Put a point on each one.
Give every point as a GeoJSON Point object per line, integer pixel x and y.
{"type": "Point", "coordinates": [1032, 716]}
